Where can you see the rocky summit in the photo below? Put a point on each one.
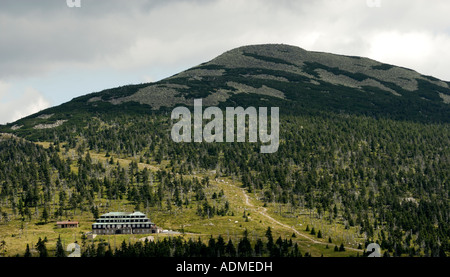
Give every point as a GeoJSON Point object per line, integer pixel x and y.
{"type": "Point", "coordinates": [296, 80]}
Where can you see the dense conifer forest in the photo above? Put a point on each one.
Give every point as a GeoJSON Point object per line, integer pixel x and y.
{"type": "Point", "coordinates": [387, 178]}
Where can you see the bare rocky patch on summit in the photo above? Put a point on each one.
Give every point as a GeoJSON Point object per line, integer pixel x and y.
{"type": "Point", "coordinates": [266, 69]}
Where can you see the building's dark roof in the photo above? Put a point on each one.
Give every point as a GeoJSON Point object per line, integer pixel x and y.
{"type": "Point", "coordinates": [66, 222]}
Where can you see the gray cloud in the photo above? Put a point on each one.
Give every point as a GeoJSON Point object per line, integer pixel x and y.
{"type": "Point", "coordinates": [43, 35]}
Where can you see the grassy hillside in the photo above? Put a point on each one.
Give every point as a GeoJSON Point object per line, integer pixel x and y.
{"type": "Point", "coordinates": [19, 227]}
{"type": "Point", "coordinates": [356, 179]}
{"type": "Point", "coordinates": [363, 157]}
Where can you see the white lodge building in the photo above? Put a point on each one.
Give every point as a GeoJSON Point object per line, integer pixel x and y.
{"type": "Point", "coordinates": [124, 223]}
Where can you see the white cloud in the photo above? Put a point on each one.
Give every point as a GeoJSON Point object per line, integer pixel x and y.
{"type": "Point", "coordinates": [422, 51]}
{"type": "Point", "coordinates": [14, 107]}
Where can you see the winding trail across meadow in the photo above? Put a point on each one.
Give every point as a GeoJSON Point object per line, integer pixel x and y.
{"type": "Point", "coordinates": [263, 211]}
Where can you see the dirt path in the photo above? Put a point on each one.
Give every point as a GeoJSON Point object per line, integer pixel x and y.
{"type": "Point", "coordinates": [263, 211]}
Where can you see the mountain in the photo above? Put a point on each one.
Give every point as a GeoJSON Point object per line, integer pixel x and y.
{"type": "Point", "coordinates": [363, 157]}
{"type": "Point", "coordinates": [296, 80]}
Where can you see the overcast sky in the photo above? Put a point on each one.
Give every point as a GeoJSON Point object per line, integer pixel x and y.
{"type": "Point", "coordinates": [51, 53]}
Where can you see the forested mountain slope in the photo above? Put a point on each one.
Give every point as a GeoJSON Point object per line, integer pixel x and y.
{"type": "Point", "coordinates": [363, 156]}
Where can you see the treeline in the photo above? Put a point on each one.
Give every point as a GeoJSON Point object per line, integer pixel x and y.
{"type": "Point", "coordinates": [180, 247]}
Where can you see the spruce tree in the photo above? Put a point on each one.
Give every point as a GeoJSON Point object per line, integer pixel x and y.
{"type": "Point", "coordinates": [220, 246]}
{"type": "Point", "coordinates": [27, 252]}
{"type": "Point", "coordinates": [230, 249]}
{"type": "Point", "coordinates": [212, 250]}
{"type": "Point", "coordinates": [45, 215]}
{"type": "Point", "coordinates": [259, 248]}
{"type": "Point", "coordinates": [59, 249]}
{"type": "Point", "coordinates": [244, 246]}
{"type": "Point", "coordinates": [41, 247]}
{"type": "Point", "coordinates": [101, 250]}
{"type": "Point", "coordinates": [269, 239]}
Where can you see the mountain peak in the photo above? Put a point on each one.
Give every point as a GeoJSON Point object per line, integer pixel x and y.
{"type": "Point", "coordinates": [298, 61]}
{"type": "Point", "coordinates": [294, 79]}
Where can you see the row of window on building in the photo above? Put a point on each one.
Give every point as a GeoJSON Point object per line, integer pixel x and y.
{"type": "Point", "coordinates": [95, 226]}
{"type": "Point", "coordinates": [129, 231]}
{"type": "Point", "coordinates": [123, 220]}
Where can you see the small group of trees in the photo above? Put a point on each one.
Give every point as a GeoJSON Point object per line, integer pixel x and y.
{"type": "Point", "coordinates": [41, 248]}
